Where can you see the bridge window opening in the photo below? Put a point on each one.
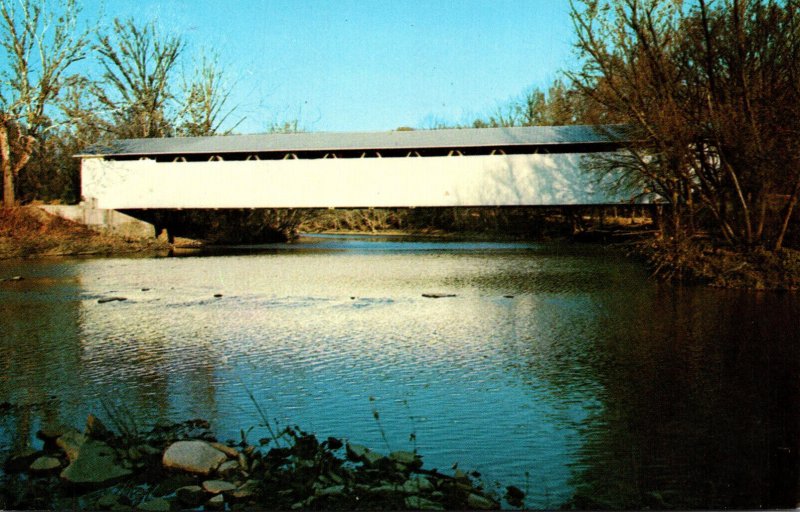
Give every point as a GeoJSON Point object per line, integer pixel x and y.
{"type": "Point", "coordinates": [371, 153]}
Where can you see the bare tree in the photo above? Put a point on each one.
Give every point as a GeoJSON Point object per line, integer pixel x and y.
{"type": "Point", "coordinates": [40, 43]}
{"type": "Point", "coordinates": [137, 89]}
{"type": "Point", "coordinates": [205, 100]}
{"type": "Point", "coordinates": [710, 92]}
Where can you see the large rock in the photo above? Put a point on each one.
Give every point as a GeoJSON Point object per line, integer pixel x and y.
{"type": "Point", "coordinates": [193, 456]}
{"type": "Point", "coordinates": [95, 464]}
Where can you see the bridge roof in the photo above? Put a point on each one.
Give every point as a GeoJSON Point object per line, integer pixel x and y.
{"type": "Point", "coordinates": [514, 137]}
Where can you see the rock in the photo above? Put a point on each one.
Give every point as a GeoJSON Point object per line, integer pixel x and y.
{"type": "Point", "coordinates": [51, 433]}
{"type": "Point", "coordinates": [333, 490]}
{"type": "Point", "coordinates": [218, 486]}
{"type": "Point", "coordinates": [406, 458]}
{"type": "Point", "coordinates": [508, 296]}
{"type": "Point", "coordinates": [94, 465]}
{"type": "Point", "coordinates": [21, 461]}
{"type": "Point", "coordinates": [360, 453]}
{"type": "Point", "coordinates": [134, 454]}
{"type": "Point", "coordinates": [44, 464]}
{"type": "Point", "coordinates": [217, 295]}
{"type": "Point", "coordinates": [111, 299]}
{"type": "Point", "coordinates": [227, 450]}
{"type": "Point", "coordinates": [155, 505]}
{"type": "Point", "coordinates": [438, 295]}
{"type": "Point", "coordinates": [95, 428]}
{"type": "Point", "coordinates": [108, 501]}
{"type": "Point", "coordinates": [217, 502]}
{"type": "Point", "coordinates": [417, 485]}
{"type": "Point", "coordinates": [246, 490]}
{"type": "Point", "coordinates": [193, 456]}
{"type": "Point", "coordinates": [71, 442]}
{"type": "Point", "coordinates": [515, 496]}
{"type": "Point", "coordinates": [478, 502]}
{"type": "Point", "coordinates": [228, 467]}
{"type": "Point", "coordinates": [191, 495]}
{"type": "Point", "coordinates": [172, 483]}
{"type": "Point", "coordinates": [460, 475]}
{"type": "Point", "coordinates": [146, 449]}
{"type": "Point", "coordinates": [420, 503]}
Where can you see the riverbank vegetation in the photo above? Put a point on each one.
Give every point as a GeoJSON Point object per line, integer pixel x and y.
{"type": "Point", "coordinates": [183, 466]}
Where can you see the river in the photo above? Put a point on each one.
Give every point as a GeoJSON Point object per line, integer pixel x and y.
{"type": "Point", "coordinates": [559, 368]}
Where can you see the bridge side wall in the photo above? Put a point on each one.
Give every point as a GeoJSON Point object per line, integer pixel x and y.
{"type": "Point", "coordinates": [497, 180]}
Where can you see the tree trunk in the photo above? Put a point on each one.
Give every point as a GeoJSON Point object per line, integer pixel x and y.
{"type": "Point", "coordinates": [787, 216]}
{"type": "Point", "coordinates": [5, 163]}
{"type": "Point", "coordinates": [8, 185]}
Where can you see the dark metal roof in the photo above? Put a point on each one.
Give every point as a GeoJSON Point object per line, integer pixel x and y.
{"type": "Point", "coordinates": [534, 136]}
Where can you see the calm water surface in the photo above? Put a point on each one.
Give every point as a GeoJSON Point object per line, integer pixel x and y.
{"type": "Point", "coordinates": [560, 369]}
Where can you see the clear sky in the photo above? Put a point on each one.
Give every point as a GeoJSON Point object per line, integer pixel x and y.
{"type": "Point", "coordinates": [347, 65]}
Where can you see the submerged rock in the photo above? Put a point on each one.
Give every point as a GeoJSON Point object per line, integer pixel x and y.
{"type": "Point", "coordinates": [438, 295]}
{"type": "Point", "coordinates": [111, 299]}
{"type": "Point", "coordinates": [193, 456]}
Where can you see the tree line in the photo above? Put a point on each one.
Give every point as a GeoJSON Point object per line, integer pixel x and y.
{"type": "Point", "coordinates": [65, 85]}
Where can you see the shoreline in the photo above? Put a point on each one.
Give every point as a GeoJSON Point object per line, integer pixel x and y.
{"type": "Point", "coordinates": [183, 465]}
{"type": "Point", "coordinates": [28, 232]}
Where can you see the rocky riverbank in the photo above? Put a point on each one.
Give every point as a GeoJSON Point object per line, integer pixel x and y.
{"type": "Point", "coordinates": [28, 232]}
{"type": "Point", "coordinates": [183, 466]}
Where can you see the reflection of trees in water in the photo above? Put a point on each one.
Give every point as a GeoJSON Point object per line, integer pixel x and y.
{"type": "Point", "coordinates": [699, 405]}
{"type": "Point", "coordinates": [38, 355]}
{"type": "Point", "coordinates": [142, 368]}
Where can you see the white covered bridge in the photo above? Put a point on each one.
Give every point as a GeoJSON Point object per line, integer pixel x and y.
{"type": "Point", "coordinates": [459, 167]}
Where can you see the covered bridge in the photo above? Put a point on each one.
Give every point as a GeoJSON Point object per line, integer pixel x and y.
{"type": "Point", "coordinates": [456, 167]}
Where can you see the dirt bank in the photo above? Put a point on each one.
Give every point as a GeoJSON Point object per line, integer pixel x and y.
{"type": "Point", "coordinates": [27, 232]}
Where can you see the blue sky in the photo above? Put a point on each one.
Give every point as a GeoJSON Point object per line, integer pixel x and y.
{"type": "Point", "coordinates": [348, 65]}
